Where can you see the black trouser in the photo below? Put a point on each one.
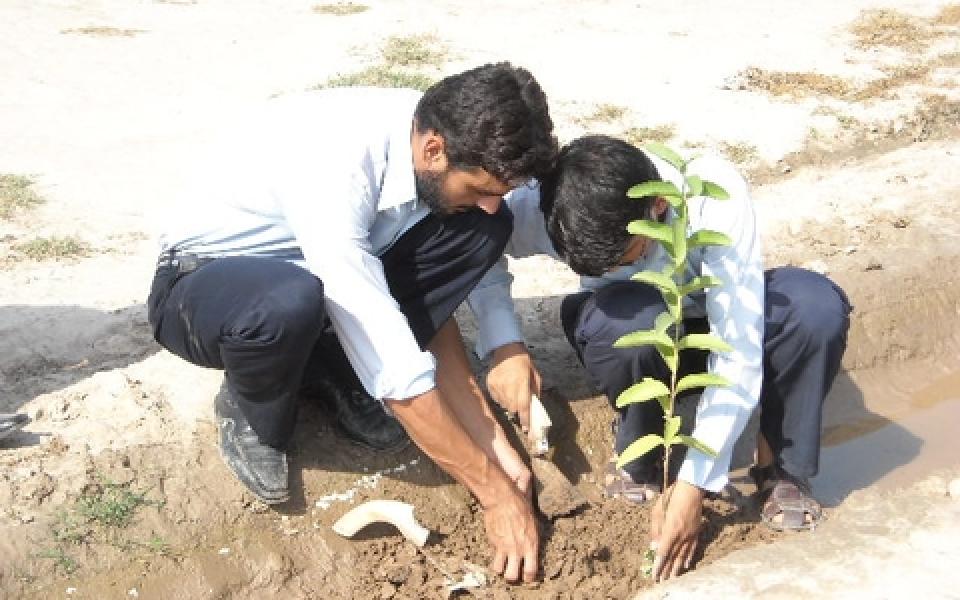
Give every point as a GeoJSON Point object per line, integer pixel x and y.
{"type": "Point", "coordinates": [805, 334]}
{"type": "Point", "coordinates": [262, 320]}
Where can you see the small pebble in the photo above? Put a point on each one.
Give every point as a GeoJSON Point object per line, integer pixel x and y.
{"type": "Point", "coordinates": [224, 551]}
{"type": "Point", "coordinates": [71, 591]}
{"type": "Point", "coordinates": [133, 593]}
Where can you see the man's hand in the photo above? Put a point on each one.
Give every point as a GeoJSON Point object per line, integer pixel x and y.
{"type": "Point", "coordinates": [512, 531]}
{"type": "Point", "coordinates": [675, 530]}
{"type": "Point", "coordinates": [512, 379]}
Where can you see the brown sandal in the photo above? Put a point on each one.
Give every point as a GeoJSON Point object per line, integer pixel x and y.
{"type": "Point", "coordinates": [617, 483]}
{"type": "Point", "coordinates": [786, 497]}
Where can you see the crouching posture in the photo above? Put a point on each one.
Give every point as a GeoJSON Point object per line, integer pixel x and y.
{"type": "Point", "coordinates": [326, 245]}
{"type": "Point", "coordinates": [787, 327]}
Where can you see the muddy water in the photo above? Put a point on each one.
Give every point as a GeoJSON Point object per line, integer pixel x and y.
{"type": "Point", "coordinates": [886, 428]}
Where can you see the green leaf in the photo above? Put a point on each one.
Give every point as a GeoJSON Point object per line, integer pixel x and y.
{"type": "Point", "coordinates": [672, 300]}
{"type": "Point", "coordinates": [657, 279]}
{"type": "Point", "coordinates": [705, 237]}
{"type": "Point", "coordinates": [651, 229]}
{"type": "Point", "coordinates": [703, 341]}
{"type": "Point", "coordinates": [699, 380]}
{"type": "Point", "coordinates": [639, 448]}
{"type": "Point", "coordinates": [649, 189]}
{"type": "Point", "coordinates": [666, 154]}
{"type": "Point", "coordinates": [669, 356]}
{"type": "Point", "coordinates": [671, 428]}
{"type": "Point", "coordinates": [679, 253]}
{"type": "Point", "coordinates": [644, 338]}
{"type": "Point", "coordinates": [663, 321]}
{"type": "Point", "coordinates": [694, 186]}
{"type": "Point", "coordinates": [714, 191]}
{"type": "Point", "coordinates": [697, 444]}
{"type": "Point", "coordinates": [699, 283]}
{"type": "Point", "coordinates": [647, 389]}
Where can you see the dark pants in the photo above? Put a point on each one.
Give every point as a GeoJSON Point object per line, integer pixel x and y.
{"type": "Point", "coordinates": [805, 334]}
{"type": "Point", "coordinates": [263, 320]}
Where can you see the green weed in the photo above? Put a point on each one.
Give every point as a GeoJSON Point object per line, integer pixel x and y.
{"type": "Point", "coordinates": [379, 76]}
{"type": "Point", "coordinates": [53, 248]}
{"type": "Point", "coordinates": [16, 193]}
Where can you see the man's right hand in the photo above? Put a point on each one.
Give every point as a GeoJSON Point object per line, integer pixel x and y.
{"type": "Point", "coordinates": [512, 531]}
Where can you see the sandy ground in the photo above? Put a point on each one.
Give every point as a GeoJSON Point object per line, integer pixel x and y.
{"type": "Point", "coordinates": [850, 140]}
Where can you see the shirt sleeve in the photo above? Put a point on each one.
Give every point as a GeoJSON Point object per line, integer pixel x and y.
{"type": "Point", "coordinates": [735, 313]}
{"type": "Point", "coordinates": [331, 217]}
{"type": "Point", "coordinates": [491, 300]}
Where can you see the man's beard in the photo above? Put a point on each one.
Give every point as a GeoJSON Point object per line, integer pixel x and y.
{"type": "Point", "coordinates": [429, 186]}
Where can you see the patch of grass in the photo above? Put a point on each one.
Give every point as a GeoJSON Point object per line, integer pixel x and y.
{"type": "Point", "coordinates": [54, 247]}
{"type": "Point", "coordinates": [414, 51]}
{"type": "Point", "coordinates": [110, 504]}
{"type": "Point", "coordinates": [340, 9]}
{"type": "Point", "coordinates": [60, 560]}
{"type": "Point", "coordinates": [891, 29]}
{"type": "Point", "coordinates": [641, 135]}
{"type": "Point", "coordinates": [739, 152]}
{"type": "Point", "coordinates": [948, 15]}
{"type": "Point", "coordinates": [102, 31]}
{"type": "Point", "coordinates": [605, 113]}
{"type": "Point", "coordinates": [16, 194]}
{"type": "Point", "coordinates": [156, 545]}
{"type": "Point", "coordinates": [379, 76]}
{"type": "Point", "coordinates": [794, 84]}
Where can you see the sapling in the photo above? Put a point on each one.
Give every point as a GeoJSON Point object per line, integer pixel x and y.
{"type": "Point", "coordinates": [667, 334]}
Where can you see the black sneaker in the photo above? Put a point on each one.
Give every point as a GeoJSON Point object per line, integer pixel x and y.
{"type": "Point", "coordinates": [262, 468]}
{"type": "Point", "coordinates": [10, 422]}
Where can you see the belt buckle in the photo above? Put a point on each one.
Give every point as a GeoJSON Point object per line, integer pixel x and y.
{"type": "Point", "coordinates": [188, 263]}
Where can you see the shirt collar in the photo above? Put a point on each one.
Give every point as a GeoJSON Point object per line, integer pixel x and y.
{"type": "Point", "coordinates": [399, 186]}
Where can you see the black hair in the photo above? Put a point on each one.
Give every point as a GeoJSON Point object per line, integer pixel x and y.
{"type": "Point", "coordinates": [493, 117]}
{"type": "Point", "coordinates": [584, 200]}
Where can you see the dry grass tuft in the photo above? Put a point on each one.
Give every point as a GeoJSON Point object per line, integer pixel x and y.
{"type": "Point", "coordinates": [340, 9]}
{"type": "Point", "coordinates": [379, 76]}
{"type": "Point", "coordinates": [102, 31]}
{"type": "Point", "coordinates": [891, 29]}
{"type": "Point", "coordinates": [739, 152]}
{"type": "Point", "coordinates": [795, 85]}
{"type": "Point", "coordinates": [16, 194]}
{"type": "Point", "coordinates": [52, 248]}
{"type": "Point", "coordinates": [642, 135]}
{"type": "Point", "coordinates": [423, 50]}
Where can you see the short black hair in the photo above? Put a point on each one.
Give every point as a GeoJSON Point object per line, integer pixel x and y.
{"type": "Point", "coordinates": [584, 200]}
{"type": "Point", "coordinates": [494, 117]}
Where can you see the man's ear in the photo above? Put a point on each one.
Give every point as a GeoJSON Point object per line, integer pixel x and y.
{"type": "Point", "coordinates": [432, 151]}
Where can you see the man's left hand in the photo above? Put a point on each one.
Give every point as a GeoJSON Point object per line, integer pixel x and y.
{"type": "Point", "coordinates": [512, 379]}
{"type": "Point", "coordinates": [676, 529]}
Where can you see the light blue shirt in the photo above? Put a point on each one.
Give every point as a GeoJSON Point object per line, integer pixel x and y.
{"type": "Point", "coordinates": [734, 310]}
{"type": "Point", "coordinates": [324, 180]}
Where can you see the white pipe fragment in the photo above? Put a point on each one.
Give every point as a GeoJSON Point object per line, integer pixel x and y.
{"type": "Point", "coordinates": [399, 514]}
{"type": "Point", "coordinates": [539, 427]}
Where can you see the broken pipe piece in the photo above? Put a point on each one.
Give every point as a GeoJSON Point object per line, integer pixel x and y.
{"type": "Point", "coordinates": [398, 514]}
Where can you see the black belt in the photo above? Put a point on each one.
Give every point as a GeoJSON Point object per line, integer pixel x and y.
{"type": "Point", "coordinates": [182, 262]}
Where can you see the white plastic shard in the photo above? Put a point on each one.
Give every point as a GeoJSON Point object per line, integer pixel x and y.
{"type": "Point", "coordinates": [399, 514]}
{"type": "Point", "coordinates": [540, 424]}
